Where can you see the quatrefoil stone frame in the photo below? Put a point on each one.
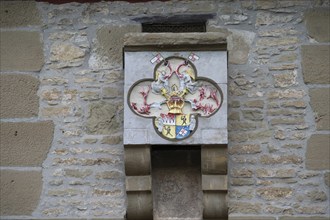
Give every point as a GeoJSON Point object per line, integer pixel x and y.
{"type": "Point", "coordinates": [175, 98]}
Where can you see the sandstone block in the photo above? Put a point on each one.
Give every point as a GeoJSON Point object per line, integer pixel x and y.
{"type": "Point", "coordinates": [19, 14]}
{"type": "Point", "coordinates": [254, 104]}
{"type": "Point", "coordinates": [239, 44]}
{"type": "Point", "coordinates": [317, 24]}
{"type": "Point", "coordinates": [315, 63]}
{"type": "Point", "coordinates": [78, 173]}
{"type": "Point", "coordinates": [245, 149]}
{"type": "Point", "coordinates": [214, 159]}
{"type": "Point", "coordinates": [286, 94]}
{"type": "Point", "coordinates": [110, 41]}
{"type": "Point", "coordinates": [275, 193]}
{"type": "Point", "coordinates": [102, 118]}
{"type": "Point", "coordinates": [317, 196]}
{"type": "Point", "coordinates": [137, 160]}
{"type": "Point", "coordinates": [109, 175]}
{"type": "Point", "coordinates": [139, 205]}
{"type": "Point", "coordinates": [215, 205]}
{"type": "Point", "coordinates": [303, 218]}
{"type": "Point", "coordinates": [251, 217]}
{"type": "Point", "coordinates": [18, 96]}
{"type": "Point", "coordinates": [266, 18]}
{"type": "Point", "coordinates": [327, 179]}
{"type": "Point", "coordinates": [244, 208]}
{"type": "Point", "coordinates": [21, 51]}
{"type": "Point", "coordinates": [280, 159]}
{"type": "Point", "coordinates": [242, 181]}
{"type": "Point", "coordinates": [64, 54]}
{"type": "Point", "coordinates": [138, 183]}
{"type": "Point", "coordinates": [279, 173]}
{"type": "Point", "coordinates": [320, 102]}
{"type": "Point", "coordinates": [318, 151]}
{"type": "Point", "coordinates": [271, 42]}
{"type": "Point", "coordinates": [254, 115]}
{"type": "Point", "coordinates": [241, 172]}
{"type": "Point", "coordinates": [20, 192]}
{"type": "Point", "coordinates": [25, 143]}
{"type": "Point", "coordinates": [284, 80]}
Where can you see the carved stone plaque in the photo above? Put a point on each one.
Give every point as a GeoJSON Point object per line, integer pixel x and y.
{"type": "Point", "coordinates": [183, 94]}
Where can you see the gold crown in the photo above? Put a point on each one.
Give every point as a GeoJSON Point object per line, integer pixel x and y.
{"type": "Point", "coordinates": [175, 100]}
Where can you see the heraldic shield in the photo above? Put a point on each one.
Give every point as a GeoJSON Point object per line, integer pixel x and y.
{"type": "Point", "coordinates": [175, 98]}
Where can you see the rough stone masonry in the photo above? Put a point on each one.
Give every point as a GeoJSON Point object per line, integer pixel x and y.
{"type": "Point", "coordinates": [62, 106]}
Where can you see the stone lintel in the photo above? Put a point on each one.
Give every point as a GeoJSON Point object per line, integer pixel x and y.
{"type": "Point", "coordinates": [175, 41]}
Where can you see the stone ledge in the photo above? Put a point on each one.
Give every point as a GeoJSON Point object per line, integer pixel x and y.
{"type": "Point", "coordinates": [178, 40]}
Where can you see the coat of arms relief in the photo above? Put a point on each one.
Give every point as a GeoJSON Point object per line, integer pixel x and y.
{"type": "Point", "coordinates": [176, 97]}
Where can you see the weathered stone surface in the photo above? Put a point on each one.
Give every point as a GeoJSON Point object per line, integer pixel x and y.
{"type": "Point", "coordinates": [281, 159]}
{"type": "Point", "coordinates": [239, 44]}
{"type": "Point", "coordinates": [275, 193]}
{"type": "Point", "coordinates": [276, 173]}
{"type": "Point", "coordinates": [25, 143]}
{"type": "Point", "coordinates": [111, 92]}
{"type": "Point", "coordinates": [214, 160]}
{"type": "Point", "coordinates": [64, 54]}
{"type": "Point", "coordinates": [284, 80]}
{"type": "Point", "coordinates": [243, 172]}
{"type": "Point", "coordinates": [317, 196]}
{"type": "Point", "coordinates": [254, 104]}
{"type": "Point", "coordinates": [177, 185]}
{"type": "Point", "coordinates": [317, 23]}
{"type": "Point", "coordinates": [318, 151]}
{"type": "Point", "coordinates": [68, 192]}
{"type": "Point", "coordinates": [287, 121]}
{"type": "Point", "coordinates": [137, 160]}
{"type": "Point", "coordinates": [55, 111]}
{"type": "Point", "coordinates": [112, 140]}
{"type": "Point", "coordinates": [312, 210]}
{"type": "Point", "coordinates": [303, 218]}
{"type": "Point", "coordinates": [266, 18]}
{"type": "Point", "coordinates": [174, 38]}
{"type": "Point", "coordinates": [320, 102]}
{"type": "Point", "coordinates": [109, 175]}
{"type": "Point", "coordinates": [271, 41]}
{"type": "Point", "coordinates": [295, 104]}
{"type": "Point", "coordinates": [18, 96]}
{"type": "Point", "coordinates": [102, 118]}
{"type": "Point", "coordinates": [254, 115]}
{"type": "Point", "coordinates": [20, 192]}
{"type": "Point", "coordinates": [89, 95]}
{"type": "Point", "coordinates": [21, 51]}
{"type": "Point", "coordinates": [19, 14]}
{"type": "Point", "coordinates": [286, 94]}
{"type": "Point", "coordinates": [315, 64]}
{"type": "Point", "coordinates": [245, 149]}
{"type": "Point", "coordinates": [109, 44]}
{"type": "Point", "coordinates": [78, 173]}
{"type": "Point", "coordinates": [244, 207]}
{"type": "Point", "coordinates": [242, 181]}
{"type": "Point", "coordinates": [251, 217]}
{"type": "Point", "coordinates": [138, 183]}
{"type": "Point", "coordinates": [327, 179]}
{"type": "Point", "coordinates": [85, 161]}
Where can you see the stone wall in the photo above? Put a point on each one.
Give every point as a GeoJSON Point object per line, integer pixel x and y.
{"type": "Point", "coordinates": [62, 106]}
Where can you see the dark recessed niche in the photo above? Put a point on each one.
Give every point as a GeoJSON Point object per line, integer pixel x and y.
{"type": "Point", "coordinates": [174, 28]}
